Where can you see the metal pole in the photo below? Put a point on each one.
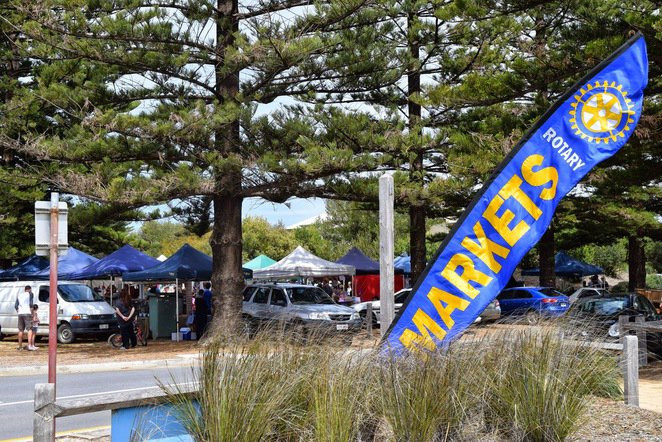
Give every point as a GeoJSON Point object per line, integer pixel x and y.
{"type": "Point", "coordinates": [386, 239]}
{"type": "Point", "coordinates": [52, 295]}
{"type": "Point", "coordinates": [110, 289]}
{"type": "Point", "coordinates": [177, 307]}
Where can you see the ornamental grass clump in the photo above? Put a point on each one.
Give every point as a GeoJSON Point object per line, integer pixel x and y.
{"type": "Point", "coordinates": [537, 385]}
{"type": "Point", "coordinates": [425, 397]}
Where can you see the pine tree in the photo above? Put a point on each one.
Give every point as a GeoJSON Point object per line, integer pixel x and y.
{"type": "Point", "coordinates": [162, 102]}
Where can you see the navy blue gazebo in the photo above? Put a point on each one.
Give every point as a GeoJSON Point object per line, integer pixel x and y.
{"type": "Point", "coordinates": [74, 260]}
{"type": "Point", "coordinates": [362, 263]}
{"type": "Point", "coordinates": [31, 264]}
{"type": "Point", "coordinates": [568, 267]}
{"type": "Point", "coordinates": [125, 259]}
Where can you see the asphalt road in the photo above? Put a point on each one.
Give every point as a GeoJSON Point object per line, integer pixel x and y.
{"type": "Point", "coordinates": [17, 392]}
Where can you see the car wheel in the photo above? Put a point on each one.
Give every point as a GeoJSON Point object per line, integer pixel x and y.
{"type": "Point", "coordinates": [65, 335]}
{"type": "Point", "coordinates": [1, 335]}
{"type": "Point", "coordinates": [532, 318]}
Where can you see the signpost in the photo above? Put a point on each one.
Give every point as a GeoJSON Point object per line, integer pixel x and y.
{"type": "Point", "coordinates": [51, 238]}
{"type": "Point", "coordinates": [386, 254]}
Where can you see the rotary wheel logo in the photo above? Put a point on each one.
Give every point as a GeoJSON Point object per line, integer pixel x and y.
{"type": "Point", "coordinates": [601, 112]}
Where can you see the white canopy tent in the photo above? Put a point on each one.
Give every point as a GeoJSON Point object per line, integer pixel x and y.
{"type": "Point", "coordinates": [303, 264]}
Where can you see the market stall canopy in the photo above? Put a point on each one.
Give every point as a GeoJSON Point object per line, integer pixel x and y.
{"type": "Point", "coordinates": [186, 264]}
{"type": "Point", "coordinates": [362, 263]}
{"type": "Point", "coordinates": [259, 262]}
{"type": "Point", "coordinates": [567, 266]}
{"type": "Point", "coordinates": [302, 263]}
{"type": "Point", "coordinates": [126, 259]}
{"type": "Point", "coordinates": [404, 262]}
{"type": "Point", "coordinates": [29, 265]}
{"type": "Point", "coordinates": [73, 261]}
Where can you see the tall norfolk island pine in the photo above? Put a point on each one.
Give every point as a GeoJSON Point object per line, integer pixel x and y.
{"type": "Point", "coordinates": [150, 107]}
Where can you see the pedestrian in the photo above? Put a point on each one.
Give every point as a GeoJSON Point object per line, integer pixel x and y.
{"type": "Point", "coordinates": [201, 313]}
{"type": "Point", "coordinates": [208, 297]}
{"type": "Point", "coordinates": [23, 307]}
{"type": "Point", "coordinates": [124, 312]}
{"type": "Point", "coordinates": [35, 326]}
{"type": "Point", "coordinates": [327, 288]}
{"type": "Point", "coordinates": [605, 285]}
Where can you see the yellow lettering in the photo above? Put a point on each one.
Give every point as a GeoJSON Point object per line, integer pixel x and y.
{"type": "Point", "coordinates": [438, 296]}
{"type": "Point", "coordinates": [485, 248]}
{"type": "Point", "coordinates": [501, 223]}
{"type": "Point", "coordinates": [425, 325]}
{"type": "Point", "coordinates": [541, 177]}
{"type": "Point", "coordinates": [512, 189]}
{"type": "Point", "coordinates": [469, 273]}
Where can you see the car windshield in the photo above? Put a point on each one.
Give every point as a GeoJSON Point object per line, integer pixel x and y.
{"type": "Point", "coordinates": [607, 306]}
{"type": "Point", "coordinates": [400, 298]}
{"type": "Point", "coordinates": [551, 292]}
{"type": "Point", "coordinates": [78, 293]}
{"type": "Point", "coordinates": [308, 295]}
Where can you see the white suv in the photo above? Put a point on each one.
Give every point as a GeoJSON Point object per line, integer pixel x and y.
{"type": "Point", "coordinates": [300, 305]}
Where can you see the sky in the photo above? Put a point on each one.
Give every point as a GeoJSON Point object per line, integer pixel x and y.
{"type": "Point", "coordinates": [295, 210]}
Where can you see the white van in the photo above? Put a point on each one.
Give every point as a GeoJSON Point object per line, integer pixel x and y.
{"type": "Point", "coordinates": [80, 310]}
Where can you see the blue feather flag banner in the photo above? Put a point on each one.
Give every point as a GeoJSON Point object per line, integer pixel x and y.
{"type": "Point", "coordinates": [587, 125]}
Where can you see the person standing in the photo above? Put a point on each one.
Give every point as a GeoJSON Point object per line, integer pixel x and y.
{"type": "Point", "coordinates": [208, 297]}
{"type": "Point", "coordinates": [23, 307]}
{"type": "Point", "coordinates": [200, 315]}
{"type": "Point", "coordinates": [35, 326]}
{"type": "Point", "coordinates": [125, 312]}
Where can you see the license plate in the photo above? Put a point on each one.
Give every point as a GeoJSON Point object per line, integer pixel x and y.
{"type": "Point", "coordinates": [564, 304]}
{"type": "Point", "coordinates": [103, 326]}
{"type": "Point", "coordinates": [342, 327]}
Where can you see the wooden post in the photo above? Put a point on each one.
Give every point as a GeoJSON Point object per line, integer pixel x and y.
{"type": "Point", "coordinates": [630, 363]}
{"type": "Point", "coordinates": [386, 250]}
{"type": "Point", "coordinates": [641, 337]}
{"type": "Point", "coordinates": [43, 428]}
{"type": "Point", "coordinates": [368, 318]}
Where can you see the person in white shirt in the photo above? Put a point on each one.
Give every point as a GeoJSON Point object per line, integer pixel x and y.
{"type": "Point", "coordinates": [23, 306]}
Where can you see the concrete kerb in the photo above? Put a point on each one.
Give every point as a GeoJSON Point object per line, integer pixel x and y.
{"type": "Point", "coordinates": [182, 360]}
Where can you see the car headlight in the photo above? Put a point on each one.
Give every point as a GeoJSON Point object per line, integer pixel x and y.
{"type": "Point", "coordinates": [355, 316]}
{"type": "Point", "coordinates": [316, 315]}
{"type": "Point", "coordinates": [614, 330]}
{"type": "Point", "coordinates": [78, 317]}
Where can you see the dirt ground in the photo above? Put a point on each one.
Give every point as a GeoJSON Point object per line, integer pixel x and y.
{"type": "Point", "coordinates": [90, 352]}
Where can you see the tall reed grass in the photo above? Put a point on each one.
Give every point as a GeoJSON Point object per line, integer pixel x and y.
{"type": "Point", "coordinates": [526, 385]}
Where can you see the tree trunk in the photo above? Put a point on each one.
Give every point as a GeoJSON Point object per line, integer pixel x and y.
{"type": "Point", "coordinates": [226, 240]}
{"type": "Point", "coordinates": [417, 174]}
{"type": "Point", "coordinates": [546, 258]}
{"type": "Point", "coordinates": [636, 263]}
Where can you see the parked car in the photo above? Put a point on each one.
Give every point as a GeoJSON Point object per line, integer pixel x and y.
{"type": "Point", "coordinates": [302, 306]}
{"type": "Point", "coordinates": [533, 303]}
{"type": "Point", "coordinates": [587, 292]}
{"type": "Point", "coordinates": [81, 312]}
{"type": "Point", "coordinates": [491, 313]}
{"type": "Point", "coordinates": [362, 307]}
{"type": "Point", "coordinates": [599, 315]}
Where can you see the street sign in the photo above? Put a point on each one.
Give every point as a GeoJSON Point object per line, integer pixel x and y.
{"type": "Point", "coordinates": [42, 237]}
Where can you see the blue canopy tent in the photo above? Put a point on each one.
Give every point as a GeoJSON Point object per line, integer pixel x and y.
{"type": "Point", "coordinates": [125, 259]}
{"type": "Point", "coordinates": [404, 262]}
{"type": "Point", "coordinates": [186, 264]}
{"type": "Point", "coordinates": [73, 261]}
{"type": "Point", "coordinates": [366, 282]}
{"type": "Point", "coordinates": [568, 267]}
{"type": "Point", "coordinates": [29, 265]}
{"type": "Point", "coordinates": [362, 263]}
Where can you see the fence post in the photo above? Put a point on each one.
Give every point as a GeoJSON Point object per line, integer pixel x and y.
{"type": "Point", "coordinates": [630, 364]}
{"type": "Point", "coordinates": [368, 318]}
{"type": "Point", "coordinates": [43, 423]}
{"type": "Point", "coordinates": [643, 346]}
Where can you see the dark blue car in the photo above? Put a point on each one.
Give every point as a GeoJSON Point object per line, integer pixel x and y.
{"type": "Point", "coordinates": [533, 302]}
